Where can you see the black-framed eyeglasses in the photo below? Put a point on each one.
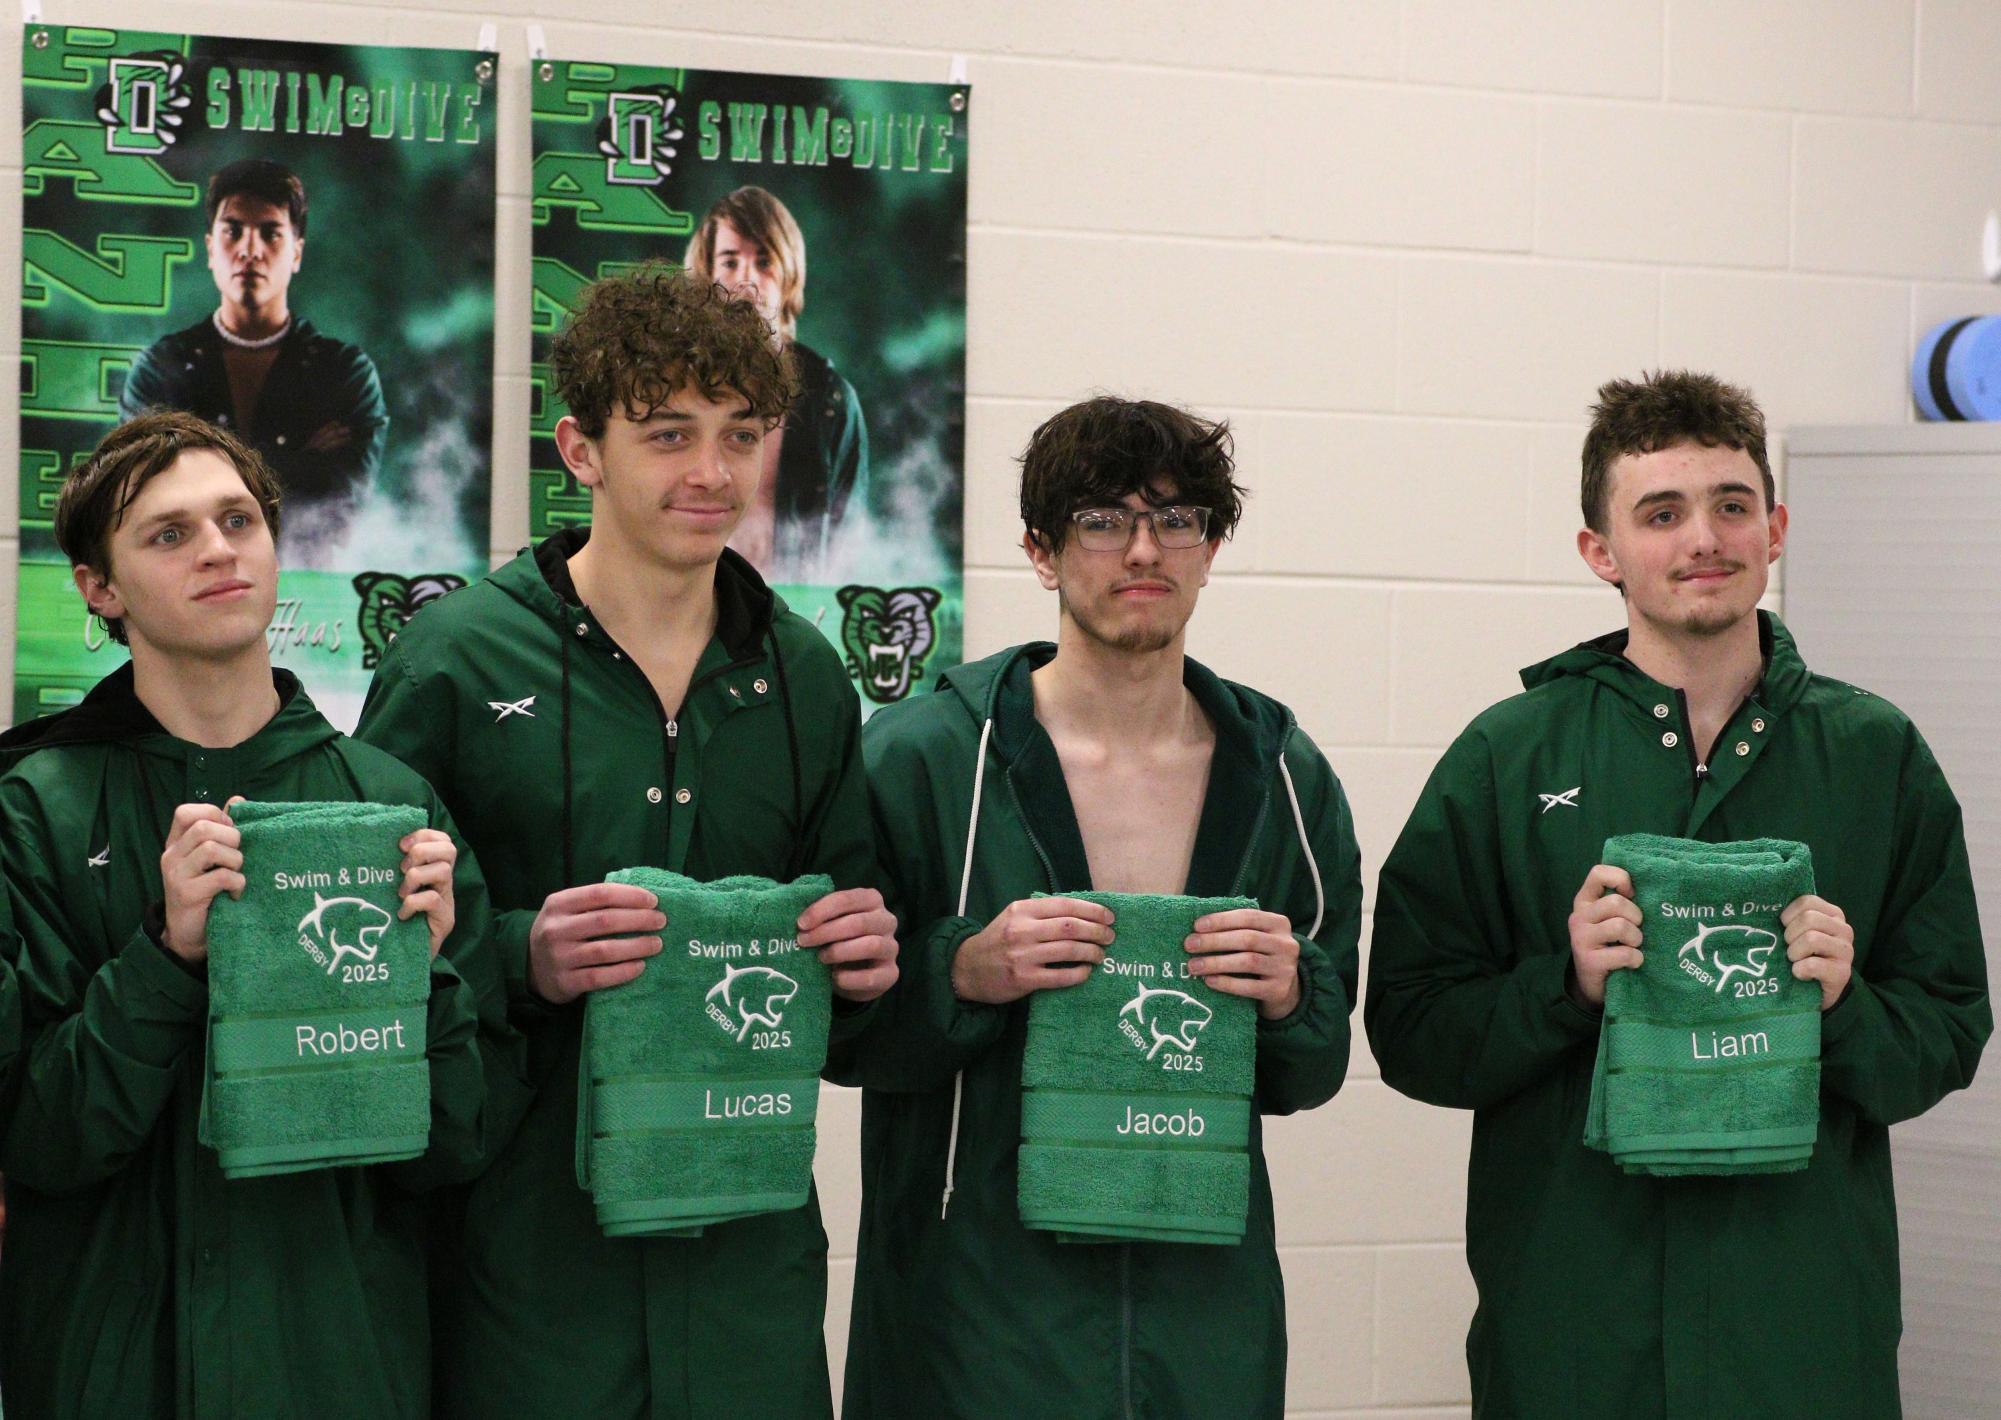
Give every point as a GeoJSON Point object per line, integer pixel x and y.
{"type": "Point", "coordinates": [1112, 529]}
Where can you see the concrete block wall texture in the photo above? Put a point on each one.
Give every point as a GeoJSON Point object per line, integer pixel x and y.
{"type": "Point", "coordinates": [1398, 243]}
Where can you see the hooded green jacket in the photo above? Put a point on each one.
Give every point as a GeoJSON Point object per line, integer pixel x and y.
{"type": "Point", "coordinates": [10, 997]}
{"type": "Point", "coordinates": [555, 754]}
{"type": "Point", "coordinates": [972, 1315]}
{"type": "Point", "coordinates": [136, 1280]}
{"type": "Point", "coordinates": [1628, 1298]}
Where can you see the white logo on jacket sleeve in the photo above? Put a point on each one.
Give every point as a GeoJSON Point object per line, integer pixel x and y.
{"type": "Point", "coordinates": [1567, 799]}
{"type": "Point", "coordinates": [1729, 950]}
{"type": "Point", "coordinates": [750, 996]}
{"type": "Point", "coordinates": [342, 926]}
{"type": "Point", "coordinates": [101, 860]}
{"type": "Point", "coordinates": [511, 707]}
{"type": "Point", "coordinates": [1170, 1017]}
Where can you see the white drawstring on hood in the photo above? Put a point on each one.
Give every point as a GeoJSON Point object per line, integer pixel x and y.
{"type": "Point", "coordinates": [965, 888]}
{"type": "Point", "coordinates": [1305, 846]}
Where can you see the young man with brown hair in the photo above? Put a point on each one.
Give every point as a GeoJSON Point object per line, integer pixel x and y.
{"type": "Point", "coordinates": [310, 405]}
{"type": "Point", "coordinates": [1606, 1295]}
{"type": "Point", "coordinates": [137, 1280]}
{"type": "Point", "coordinates": [816, 460]}
{"type": "Point", "coordinates": [1107, 761]}
{"type": "Point", "coordinates": [627, 694]}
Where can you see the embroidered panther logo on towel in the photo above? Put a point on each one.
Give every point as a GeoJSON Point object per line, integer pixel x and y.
{"type": "Point", "coordinates": [1169, 1017]}
{"type": "Point", "coordinates": [753, 995]}
{"type": "Point", "coordinates": [388, 601]}
{"type": "Point", "coordinates": [887, 636]}
{"type": "Point", "coordinates": [1732, 950]}
{"type": "Point", "coordinates": [343, 926]}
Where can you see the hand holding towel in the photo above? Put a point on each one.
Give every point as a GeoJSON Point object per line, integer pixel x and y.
{"type": "Point", "coordinates": [317, 995]}
{"type": "Point", "coordinates": [1709, 1056]}
{"type": "Point", "coordinates": [699, 1079]}
{"type": "Point", "coordinates": [1136, 1089]}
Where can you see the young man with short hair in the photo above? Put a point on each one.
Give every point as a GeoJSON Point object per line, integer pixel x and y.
{"type": "Point", "coordinates": [136, 1279]}
{"type": "Point", "coordinates": [1609, 1296]}
{"type": "Point", "coordinates": [311, 405]}
{"type": "Point", "coordinates": [816, 460]}
{"type": "Point", "coordinates": [631, 693]}
{"type": "Point", "coordinates": [1108, 761]}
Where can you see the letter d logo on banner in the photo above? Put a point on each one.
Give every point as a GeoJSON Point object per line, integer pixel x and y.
{"type": "Point", "coordinates": [636, 138]}
{"type": "Point", "coordinates": [142, 110]}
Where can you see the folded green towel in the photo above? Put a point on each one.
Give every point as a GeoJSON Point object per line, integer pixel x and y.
{"type": "Point", "coordinates": [1709, 1056]}
{"type": "Point", "coordinates": [1136, 1089]}
{"type": "Point", "coordinates": [317, 995]}
{"type": "Point", "coordinates": [700, 1079]}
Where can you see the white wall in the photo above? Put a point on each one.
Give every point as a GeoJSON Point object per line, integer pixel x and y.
{"type": "Point", "coordinates": [1398, 244]}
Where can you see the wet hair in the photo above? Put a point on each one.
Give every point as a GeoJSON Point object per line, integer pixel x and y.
{"type": "Point", "coordinates": [1092, 455]}
{"type": "Point", "coordinates": [1659, 411]}
{"type": "Point", "coordinates": [762, 218]}
{"type": "Point", "coordinates": [636, 339]}
{"type": "Point", "coordinates": [95, 495]}
{"type": "Point", "coordinates": [264, 180]}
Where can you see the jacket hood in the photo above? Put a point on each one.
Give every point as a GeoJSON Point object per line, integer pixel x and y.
{"type": "Point", "coordinates": [1603, 659]}
{"type": "Point", "coordinates": [539, 578]}
{"type": "Point", "coordinates": [112, 713]}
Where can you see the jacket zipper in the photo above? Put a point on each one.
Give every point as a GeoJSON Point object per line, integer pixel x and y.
{"type": "Point", "coordinates": [1696, 767]}
{"type": "Point", "coordinates": [1126, 1326]}
{"type": "Point", "coordinates": [1048, 867]}
{"type": "Point", "coordinates": [1257, 827]}
{"type": "Point", "coordinates": [673, 750]}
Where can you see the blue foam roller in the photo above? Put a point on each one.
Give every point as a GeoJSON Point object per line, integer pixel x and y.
{"type": "Point", "coordinates": [1956, 372]}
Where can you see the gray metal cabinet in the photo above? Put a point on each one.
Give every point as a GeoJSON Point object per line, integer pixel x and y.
{"type": "Point", "coordinates": [1893, 581]}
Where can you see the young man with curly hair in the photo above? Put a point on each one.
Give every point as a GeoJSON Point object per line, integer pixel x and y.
{"type": "Point", "coordinates": [138, 1279]}
{"type": "Point", "coordinates": [631, 693]}
{"type": "Point", "coordinates": [1614, 1295]}
{"type": "Point", "coordinates": [1108, 761]}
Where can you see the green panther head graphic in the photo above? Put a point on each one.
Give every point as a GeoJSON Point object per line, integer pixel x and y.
{"type": "Point", "coordinates": [887, 635]}
{"type": "Point", "coordinates": [388, 601]}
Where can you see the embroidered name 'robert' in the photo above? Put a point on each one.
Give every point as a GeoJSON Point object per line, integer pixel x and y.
{"type": "Point", "coordinates": [346, 1040]}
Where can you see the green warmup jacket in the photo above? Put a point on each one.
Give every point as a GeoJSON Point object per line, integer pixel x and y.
{"type": "Point", "coordinates": [971, 1314]}
{"type": "Point", "coordinates": [10, 1001]}
{"type": "Point", "coordinates": [136, 1280]}
{"type": "Point", "coordinates": [557, 757]}
{"type": "Point", "coordinates": [1624, 1297]}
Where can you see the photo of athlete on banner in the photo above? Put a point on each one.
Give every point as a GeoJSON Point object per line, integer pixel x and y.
{"type": "Point", "coordinates": [818, 459]}
{"type": "Point", "coordinates": [752, 181]}
{"type": "Point", "coordinates": [204, 226]}
{"type": "Point", "coordinates": [311, 404]}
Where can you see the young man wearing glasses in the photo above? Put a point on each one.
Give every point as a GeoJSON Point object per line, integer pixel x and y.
{"type": "Point", "coordinates": [1111, 762]}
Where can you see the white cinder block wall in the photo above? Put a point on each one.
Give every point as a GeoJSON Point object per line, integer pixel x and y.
{"type": "Point", "coordinates": [1398, 244]}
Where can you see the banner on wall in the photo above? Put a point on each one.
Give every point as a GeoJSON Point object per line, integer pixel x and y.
{"type": "Point", "coordinates": [840, 207]}
{"type": "Point", "coordinates": [292, 240]}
